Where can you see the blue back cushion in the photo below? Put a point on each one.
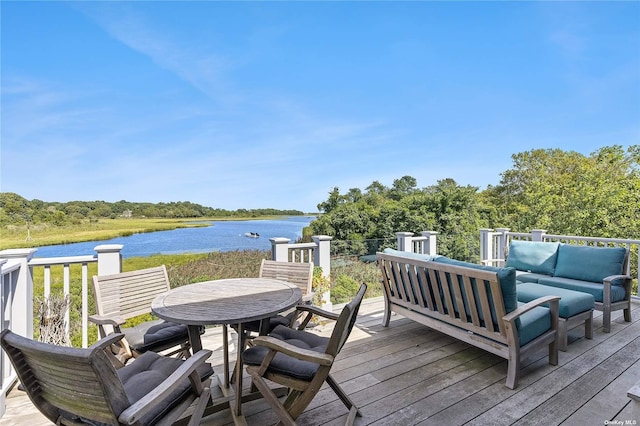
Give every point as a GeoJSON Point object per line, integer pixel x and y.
{"type": "Point", "coordinates": [410, 255]}
{"type": "Point", "coordinates": [589, 263]}
{"type": "Point", "coordinates": [533, 256]}
{"type": "Point", "coordinates": [506, 277]}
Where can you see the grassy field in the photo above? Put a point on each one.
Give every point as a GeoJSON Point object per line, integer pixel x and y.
{"type": "Point", "coordinates": [102, 229]}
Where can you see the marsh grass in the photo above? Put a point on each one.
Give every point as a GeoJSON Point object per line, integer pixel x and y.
{"type": "Point", "coordinates": [184, 269]}
{"type": "Point", "coordinates": [96, 230]}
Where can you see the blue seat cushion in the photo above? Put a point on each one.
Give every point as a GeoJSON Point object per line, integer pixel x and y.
{"type": "Point", "coordinates": [284, 364]}
{"type": "Point", "coordinates": [146, 372]}
{"type": "Point", "coordinates": [533, 256]}
{"type": "Point", "coordinates": [571, 302]}
{"type": "Point", "coordinates": [533, 324]}
{"type": "Point", "coordinates": [589, 263]}
{"type": "Point", "coordinates": [618, 293]}
{"type": "Point", "coordinates": [529, 277]}
{"type": "Point", "coordinates": [155, 335]}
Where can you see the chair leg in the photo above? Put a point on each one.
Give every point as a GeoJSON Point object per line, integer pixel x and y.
{"type": "Point", "coordinates": [606, 320]}
{"type": "Point", "coordinates": [387, 312]}
{"type": "Point", "coordinates": [343, 396]}
{"type": "Point", "coordinates": [274, 402]}
{"type": "Point", "coordinates": [203, 401]}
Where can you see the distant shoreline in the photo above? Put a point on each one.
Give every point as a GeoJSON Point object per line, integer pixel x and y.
{"type": "Point", "coordinates": [103, 229]}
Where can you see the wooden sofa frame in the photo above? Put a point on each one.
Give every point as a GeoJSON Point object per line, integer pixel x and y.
{"type": "Point", "coordinates": [408, 282]}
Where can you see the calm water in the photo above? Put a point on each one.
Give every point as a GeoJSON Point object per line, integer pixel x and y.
{"type": "Point", "coordinates": [221, 236]}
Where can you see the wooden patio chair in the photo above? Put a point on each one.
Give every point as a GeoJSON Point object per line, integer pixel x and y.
{"type": "Point", "coordinates": [300, 274]}
{"type": "Point", "coordinates": [120, 297]}
{"type": "Point", "coordinates": [73, 386]}
{"type": "Point", "coordinates": [301, 361]}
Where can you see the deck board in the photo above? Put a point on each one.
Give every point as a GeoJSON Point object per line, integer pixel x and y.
{"type": "Point", "coordinates": [407, 374]}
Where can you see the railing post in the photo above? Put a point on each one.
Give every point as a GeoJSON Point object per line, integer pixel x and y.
{"type": "Point", "coordinates": [431, 246]}
{"type": "Point", "coordinates": [503, 243]}
{"type": "Point", "coordinates": [537, 234]}
{"type": "Point", "coordinates": [322, 258]}
{"type": "Point", "coordinates": [22, 306]}
{"type": "Point", "coordinates": [322, 253]}
{"type": "Point", "coordinates": [5, 367]}
{"type": "Point", "coordinates": [280, 249]}
{"type": "Point", "coordinates": [486, 245]}
{"type": "Point", "coordinates": [405, 241]}
{"type": "Point", "coordinates": [109, 259]}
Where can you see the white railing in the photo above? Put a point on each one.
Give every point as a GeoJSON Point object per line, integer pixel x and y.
{"type": "Point", "coordinates": [8, 282]}
{"type": "Point", "coordinates": [318, 252]}
{"type": "Point", "coordinates": [494, 245]}
{"type": "Point", "coordinates": [17, 294]}
{"type": "Point", "coordinates": [66, 263]}
{"type": "Point", "coordinates": [426, 243]}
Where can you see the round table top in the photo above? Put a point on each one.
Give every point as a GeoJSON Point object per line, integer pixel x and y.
{"type": "Point", "coordinates": [228, 301]}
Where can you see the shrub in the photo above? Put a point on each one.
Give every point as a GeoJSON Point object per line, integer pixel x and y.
{"type": "Point", "coordinates": [343, 289]}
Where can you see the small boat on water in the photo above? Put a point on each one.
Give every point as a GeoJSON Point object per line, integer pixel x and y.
{"type": "Point", "coordinates": [252, 234]}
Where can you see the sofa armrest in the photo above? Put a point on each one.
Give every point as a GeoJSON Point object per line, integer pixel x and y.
{"type": "Point", "coordinates": [511, 317]}
{"type": "Point", "coordinates": [553, 301]}
{"type": "Point", "coordinates": [611, 278]}
{"type": "Point", "coordinates": [607, 282]}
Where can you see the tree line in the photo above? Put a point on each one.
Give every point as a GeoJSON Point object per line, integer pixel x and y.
{"type": "Point", "coordinates": [563, 192]}
{"type": "Point", "coordinates": [16, 210]}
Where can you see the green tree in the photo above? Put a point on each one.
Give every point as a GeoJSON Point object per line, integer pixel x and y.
{"type": "Point", "coordinates": [569, 193]}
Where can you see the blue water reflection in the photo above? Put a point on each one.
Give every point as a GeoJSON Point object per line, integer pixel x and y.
{"type": "Point", "coordinates": [221, 236]}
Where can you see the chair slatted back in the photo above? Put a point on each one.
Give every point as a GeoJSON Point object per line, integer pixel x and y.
{"type": "Point", "coordinates": [129, 294]}
{"type": "Point", "coordinates": [300, 274]}
{"type": "Point", "coordinates": [345, 323]}
{"type": "Point", "coordinates": [57, 378]}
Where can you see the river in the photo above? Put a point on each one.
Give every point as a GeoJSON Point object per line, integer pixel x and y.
{"type": "Point", "coordinates": [221, 236]}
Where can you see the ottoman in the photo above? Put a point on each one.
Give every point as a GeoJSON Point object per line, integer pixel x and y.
{"type": "Point", "coordinates": [576, 308]}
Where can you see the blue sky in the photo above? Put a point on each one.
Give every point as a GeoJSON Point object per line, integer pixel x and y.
{"type": "Point", "coordinates": [272, 104]}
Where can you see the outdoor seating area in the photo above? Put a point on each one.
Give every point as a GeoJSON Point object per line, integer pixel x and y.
{"type": "Point", "coordinates": [439, 348]}
{"type": "Point", "coordinates": [410, 374]}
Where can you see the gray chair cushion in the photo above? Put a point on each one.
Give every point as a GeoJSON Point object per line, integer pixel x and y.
{"type": "Point", "coordinates": [146, 372]}
{"type": "Point", "coordinates": [155, 335]}
{"type": "Point", "coordinates": [284, 364]}
{"type": "Point", "coordinates": [273, 323]}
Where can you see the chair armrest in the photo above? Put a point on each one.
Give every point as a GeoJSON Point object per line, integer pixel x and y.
{"type": "Point", "coordinates": [609, 280]}
{"type": "Point", "coordinates": [114, 320]}
{"type": "Point", "coordinates": [308, 298]}
{"type": "Point", "coordinates": [553, 301]}
{"type": "Point", "coordinates": [133, 414]}
{"type": "Point", "coordinates": [317, 311]}
{"type": "Point", "coordinates": [293, 351]}
{"type": "Point", "coordinates": [107, 341]}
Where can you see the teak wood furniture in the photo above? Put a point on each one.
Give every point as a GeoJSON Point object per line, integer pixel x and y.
{"type": "Point", "coordinates": [120, 297]}
{"type": "Point", "coordinates": [228, 301]}
{"type": "Point", "coordinates": [475, 304]}
{"type": "Point", "coordinates": [301, 361]}
{"type": "Point", "coordinates": [299, 274]}
{"type": "Point", "coordinates": [73, 386]}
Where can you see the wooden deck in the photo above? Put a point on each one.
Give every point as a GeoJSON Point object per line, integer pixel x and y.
{"type": "Point", "coordinates": [407, 374]}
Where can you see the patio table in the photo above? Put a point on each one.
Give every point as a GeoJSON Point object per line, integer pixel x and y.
{"type": "Point", "coordinates": [223, 302]}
